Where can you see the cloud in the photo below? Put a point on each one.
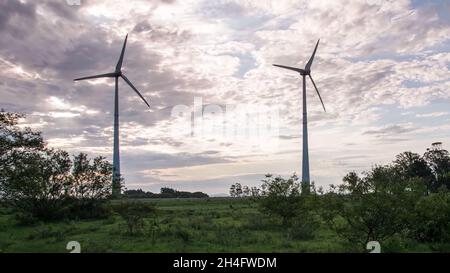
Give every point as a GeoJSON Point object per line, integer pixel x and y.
{"type": "Point", "coordinates": [376, 60]}
{"type": "Point", "coordinates": [433, 115]}
{"type": "Point", "coordinates": [11, 10]}
{"type": "Point", "coordinates": [391, 130]}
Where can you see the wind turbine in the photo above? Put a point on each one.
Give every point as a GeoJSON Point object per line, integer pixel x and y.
{"type": "Point", "coordinates": [305, 72]}
{"type": "Point", "coordinates": [116, 155]}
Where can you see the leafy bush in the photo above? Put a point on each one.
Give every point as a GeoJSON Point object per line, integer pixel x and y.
{"type": "Point", "coordinates": [431, 220]}
{"type": "Point", "coordinates": [372, 208]}
{"type": "Point", "coordinates": [87, 208]}
{"type": "Point", "coordinates": [304, 226]}
{"type": "Point", "coordinates": [44, 186]}
{"type": "Point", "coordinates": [134, 213]}
{"type": "Point", "coordinates": [280, 197]}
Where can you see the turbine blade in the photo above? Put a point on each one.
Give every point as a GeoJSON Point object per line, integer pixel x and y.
{"type": "Point", "coordinates": [290, 68]}
{"type": "Point", "coordinates": [119, 63]}
{"type": "Point", "coordinates": [310, 62]}
{"type": "Point", "coordinates": [320, 97]}
{"type": "Point", "coordinates": [107, 75]}
{"type": "Point", "coordinates": [135, 90]}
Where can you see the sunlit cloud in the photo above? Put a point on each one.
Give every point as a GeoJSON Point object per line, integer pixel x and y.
{"type": "Point", "coordinates": [383, 69]}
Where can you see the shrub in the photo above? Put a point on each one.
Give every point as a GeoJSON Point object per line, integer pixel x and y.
{"type": "Point", "coordinates": [431, 220]}
{"type": "Point", "coordinates": [280, 197]}
{"type": "Point", "coordinates": [304, 227]}
{"type": "Point", "coordinates": [371, 208]}
{"type": "Point", "coordinates": [134, 213]}
{"type": "Point", "coordinates": [44, 186]}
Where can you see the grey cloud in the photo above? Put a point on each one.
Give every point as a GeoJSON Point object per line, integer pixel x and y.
{"type": "Point", "coordinates": [13, 8]}
{"type": "Point", "coordinates": [287, 137]}
{"type": "Point", "coordinates": [213, 9]}
{"type": "Point", "coordinates": [152, 160]}
{"type": "Point", "coordinates": [155, 141]}
{"type": "Point", "coordinates": [62, 9]}
{"type": "Point", "coordinates": [390, 130]}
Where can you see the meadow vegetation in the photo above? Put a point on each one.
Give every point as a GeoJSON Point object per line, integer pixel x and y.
{"type": "Point", "coordinates": [48, 198]}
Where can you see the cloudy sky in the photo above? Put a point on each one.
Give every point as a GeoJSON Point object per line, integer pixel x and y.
{"type": "Point", "coordinates": [383, 69]}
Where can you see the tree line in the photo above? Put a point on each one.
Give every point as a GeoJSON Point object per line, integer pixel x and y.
{"type": "Point", "coordinates": [164, 193]}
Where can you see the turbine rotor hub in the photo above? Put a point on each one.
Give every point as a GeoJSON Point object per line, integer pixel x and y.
{"type": "Point", "coordinates": [305, 72]}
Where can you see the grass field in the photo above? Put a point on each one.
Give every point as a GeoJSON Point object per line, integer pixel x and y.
{"type": "Point", "coordinates": [202, 225]}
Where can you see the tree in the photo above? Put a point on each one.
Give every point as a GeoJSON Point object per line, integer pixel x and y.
{"type": "Point", "coordinates": [236, 190]}
{"type": "Point", "coordinates": [438, 160]}
{"type": "Point", "coordinates": [431, 220]}
{"type": "Point", "coordinates": [36, 183]}
{"type": "Point", "coordinates": [91, 178]}
{"type": "Point", "coordinates": [373, 207]}
{"type": "Point", "coordinates": [411, 165]}
{"type": "Point", "coordinates": [245, 191]}
{"type": "Point", "coordinates": [12, 137]}
{"type": "Point", "coordinates": [168, 193]}
{"type": "Point", "coordinates": [14, 143]}
{"type": "Point", "coordinates": [255, 191]}
{"type": "Point", "coordinates": [172, 193]}
{"type": "Point", "coordinates": [280, 197]}
{"type": "Point", "coordinates": [44, 183]}
{"type": "Point", "coordinates": [134, 213]}
{"type": "Point", "coordinates": [233, 190]}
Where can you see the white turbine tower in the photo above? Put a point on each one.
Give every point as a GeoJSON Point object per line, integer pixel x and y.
{"type": "Point", "coordinates": [116, 180]}
{"type": "Point", "coordinates": [305, 162]}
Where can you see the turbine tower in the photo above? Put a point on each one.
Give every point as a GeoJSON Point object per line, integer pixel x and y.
{"type": "Point", "coordinates": [305, 162]}
{"type": "Point", "coordinates": [116, 180]}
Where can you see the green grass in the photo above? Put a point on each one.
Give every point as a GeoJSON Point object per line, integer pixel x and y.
{"type": "Point", "coordinates": [181, 225]}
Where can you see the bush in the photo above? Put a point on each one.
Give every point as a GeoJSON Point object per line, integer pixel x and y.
{"type": "Point", "coordinates": [280, 197]}
{"type": "Point", "coordinates": [371, 208]}
{"type": "Point", "coordinates": [88, 209]}
{"type": "Point", "coordinates": [134, 213]}
{"type": "Point", "coordinates": [304, 227]}
{"type": "Point", "coordinates": [44, 186]}
{"type": "Point", "coordinates": [431, 220]}
{"type": "Point", "coordinates": [32, 212]}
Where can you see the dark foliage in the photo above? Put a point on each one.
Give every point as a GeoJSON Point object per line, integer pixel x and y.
{"type": "Point", "coordinates": [408, 198]}
{"type": "Point", "coordinates": [46, 184]}
{"type": "Point", "coordinates": [431, 218]}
